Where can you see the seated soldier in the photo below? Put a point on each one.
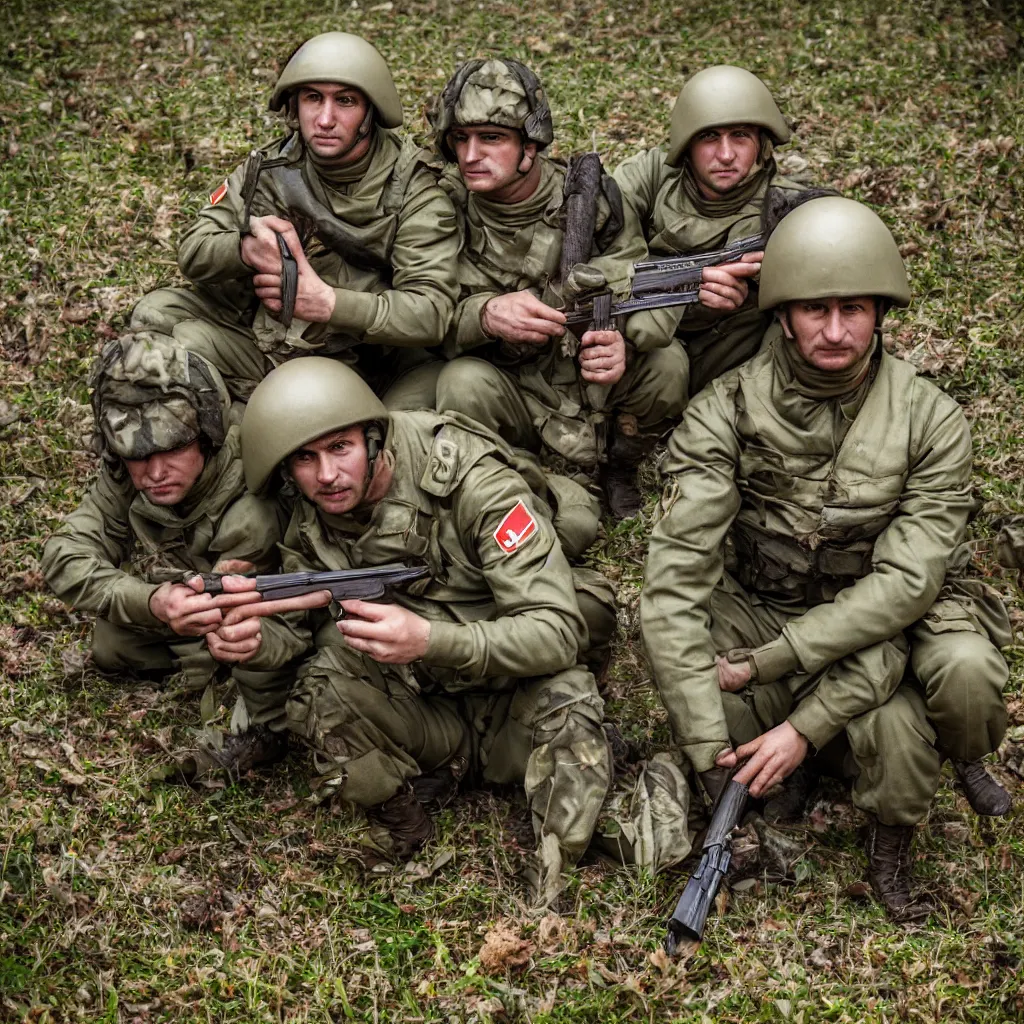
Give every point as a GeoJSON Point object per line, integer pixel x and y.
{"type": "Point", "coordinates": [376, 283]}
{"type": "Point", "coordinates": [170, 498]}
{"type": "Point", "coordinates": [844, 483]}
{"type": "Point", "coordinates": [516, 375]}
{"type": "Point", "coordinates": [708, 191]}
{"type": "Point", "coordinates": [475, 672]}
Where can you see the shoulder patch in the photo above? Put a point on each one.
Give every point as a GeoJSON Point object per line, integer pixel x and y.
{"type": "Point", "coordinates": [515, 529]}
{"type": "Point", "coordinates": [219, 193]}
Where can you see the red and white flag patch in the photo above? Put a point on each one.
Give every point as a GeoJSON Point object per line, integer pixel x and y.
{"type": "Point", "coordinates": [515, 529]}
{"type": "Point", "coordinates": [218, 194]}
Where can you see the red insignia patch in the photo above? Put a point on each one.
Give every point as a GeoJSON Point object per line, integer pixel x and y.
{"type": "Point", "coordinates": [515, 529]}
{"type": "Point", "coordinates": [219, 194]}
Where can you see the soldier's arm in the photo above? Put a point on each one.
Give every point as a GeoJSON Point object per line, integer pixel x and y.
{"type": "Point", "coordinates": [415, 311]}
{"type": "Point", "coordinates": [82, 560]}
{"type": "Point", "coordinates": [639, 179]}
{"type": "Point", "coordinates": [250, 531]}
{"type": "Point", "coordinates": [210, 250]}
{"type": "Point", "coordinates": [538, 628]}
{"type": "Point", "coordinates": [684, 562]}
{"type": "Point", "coordinates": [909, 559]}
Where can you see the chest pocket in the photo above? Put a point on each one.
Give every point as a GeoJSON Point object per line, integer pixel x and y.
{"type": "Point", "coordinates": [403, 531]}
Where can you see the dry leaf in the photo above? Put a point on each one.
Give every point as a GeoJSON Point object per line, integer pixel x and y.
{"type": "Point", "coordinates": [503, 949]}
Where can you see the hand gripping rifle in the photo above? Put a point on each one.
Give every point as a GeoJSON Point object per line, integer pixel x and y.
{"type": "Point", "coordinates": [344, 584]}
{"type": "Point", "coordinates": [687, 920]}
{"type": "Point", "coordinates": [284, 192]}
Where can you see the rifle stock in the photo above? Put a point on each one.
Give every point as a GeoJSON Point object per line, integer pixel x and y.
{"type": "Point", "coordinates": [688, 919]}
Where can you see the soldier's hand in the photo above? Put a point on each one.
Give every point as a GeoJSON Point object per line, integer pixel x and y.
{"type": "Point", "coordinates": [387, 633]}
{"type": "Point", "coordinates": [260, 250]}
{"type": "Point", "coordinates": [521, 317]}
{"type": "Point", "coordinates": [314, 297]}
{"type": "Point", "coordinates": [602, 357]}
{"type": "Point", "coordinates": [235, 642]}
{"type": "Point", "coordinates": [725, 287]}
{"type": "Point", "coordinates": [732, 676]}
{"type": "Point", "coordinates": [772, 757]}
{"type": "Point", "coordinates": [187, 612]}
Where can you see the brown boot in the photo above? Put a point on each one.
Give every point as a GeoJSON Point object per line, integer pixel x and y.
{"type": "Point", "coordinates": [233, 755]}
{"type": "Point", "coordinates": [889, 871]}
{"type": "Point", "coordinates": [404, 820]}
{"type": "Point", "coordinates": [789, 805]}
{"type": "Point", "coordinates": [983, 793]}
{"type": "Point", "coordinates": [435, 790]}
{"type": "Point", "coordinates": [618, 475]}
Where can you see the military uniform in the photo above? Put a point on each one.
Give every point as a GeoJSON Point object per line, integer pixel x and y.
{"type": "Point", "coordinates": [844, 496]}
{"type": "Point", "coordinates": [389, 202]}
{"type": "Point", "coordinates": [112, 552]}
{"type": "Point", "coordinates": [532, 394]}
{"type": "Point", "coordinates": [676, 219]}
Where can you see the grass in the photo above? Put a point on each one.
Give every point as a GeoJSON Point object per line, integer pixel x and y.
{"type": "Point", "coordinates": [128, 900]}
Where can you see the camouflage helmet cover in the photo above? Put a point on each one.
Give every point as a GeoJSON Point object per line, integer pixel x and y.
{"type": "Point", "coordinates": [344, 59]}
{"type": "Point", "coordinates": [831, 248]}
{"type": "Point", "coordinates": [718, 96]}
{"type": "Point", "coordinates": [500, 92]}
{"type": "Point", "coordinates": [296, 403]}
{"type": "Point", "coordinates": [149, 396]}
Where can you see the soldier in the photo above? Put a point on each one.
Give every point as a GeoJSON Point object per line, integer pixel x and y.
{"type": "Point", "coordinates": [170, 497]}
{"type": "Point", "coordinates": [707, 191]}
{"type": "Point", "coordinates": [341, 172]}
{"type": "Point", "coordinates": [516, 374]}
{"type": "Point", "coordinates": [843, 481]}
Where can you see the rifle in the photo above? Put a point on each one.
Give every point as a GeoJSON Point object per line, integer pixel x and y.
{"type": "Point", "coordinates": [661, 283]}
{"type": "Point", "coordinates": [687, 920]}
{"type": "Point", "coordinates": [284, 191]}
{"type": "Point", "coordinates": [344, 584]}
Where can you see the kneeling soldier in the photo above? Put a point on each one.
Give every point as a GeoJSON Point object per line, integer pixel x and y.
{"type": "Point", "coordinates": [707, 191]}
{"type": "Point", "coordinates": [170, 498]}
{"type": "Point", "coordinates": [516, 375]}
{"type": "Point", "coordinates": [475, 672]}
{"type": "Point", "coordinates": [376, 283]}
{"type": "Point", "coordinates": [843, 481]}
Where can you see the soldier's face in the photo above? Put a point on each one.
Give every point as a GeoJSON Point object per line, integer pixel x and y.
{"type": "Point", "coordinates": [167, 477]}
{"type": "Point", "coordinates": [494, 161]}
{"type": "Point", "coordinates": [329, 120]}
{"type": "Point", "coordinates": [722, 157]}
{"type": "Point", "coordinates": [831, 334]}
{"type": "Point", "coordinates": [333, 471]}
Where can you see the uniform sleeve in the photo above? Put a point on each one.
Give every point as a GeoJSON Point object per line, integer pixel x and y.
{"type": "Point", "coordinates": [684, 563]}
{"type": "Point", "coordinates": [415, 311]}
{"type": "Point", "coordinates": [538, 629]}
{"type": "Point", "coordinates": [210, 252]}
{"type": "Point", "coordinates": [910, 556]}
{"type": "Point", "coordinates": [82, 560]}
{"type": "Point", "coordinates": [251, 530]}
{"type": "Point", "coordinates": [466, 332]}
{"type": "Point", "coordinates": [639, 179]}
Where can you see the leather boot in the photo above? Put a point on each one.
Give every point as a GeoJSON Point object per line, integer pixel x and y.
{"type": "Point", "coordinates": [436, 790]}
{"type": "Point", "coordinates": [983, 793]}
{"type": "Point", "coordinates": [404, 820]}
{"type": "Point", "coordinates": [797, 790]}
{"type": "Point", "coordinates": [234, 755]}
{"type": "Point", "coordinates": [618, 475]}
{"type": "Point", "coordinates": [889, 871]}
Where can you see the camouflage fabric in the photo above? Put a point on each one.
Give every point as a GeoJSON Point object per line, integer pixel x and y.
{"type": "Point", "coordinates": [846, 516]}
{"type": "Point", "coordinates": [493, 94]}
{"type": "Point", "coordinates": [1010, 544]}
{"type": "Point", "coordinates": [151, 396]}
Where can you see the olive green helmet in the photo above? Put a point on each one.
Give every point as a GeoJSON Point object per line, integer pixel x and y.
{"type": "Point", "coordinates": [344, 59]}
{"type": "Point", "coordinates": [719, 96]}
{"type": "Point", "coordinates": [500, 92]}
{"type": "Point", "coordinates": [831, 248]}
{"type": "Point", "coordinates": [149, 395]}
{"type": "Point", "coordinates": [296, 403]}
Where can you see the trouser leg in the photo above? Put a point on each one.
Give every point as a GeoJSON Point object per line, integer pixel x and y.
{"type": "Point", "coordinates": [897, 765]}
{"type": "Point", "coordinates": [552, 742]}
{"type": "Point", "coordinates": [962, 676]}
{"type": "Point", "coordinates": [485, 393]}
{"type": "Point", "coordinates": [416, 388]}
{"type": "Point", "coordinates": [200, 327]}
{"type": "Point", "coordinates": [653, 389]}
{"type": "Point", "coordinates": [132, 649]}
{"type": "Point", "coordinates": [369, 727]}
